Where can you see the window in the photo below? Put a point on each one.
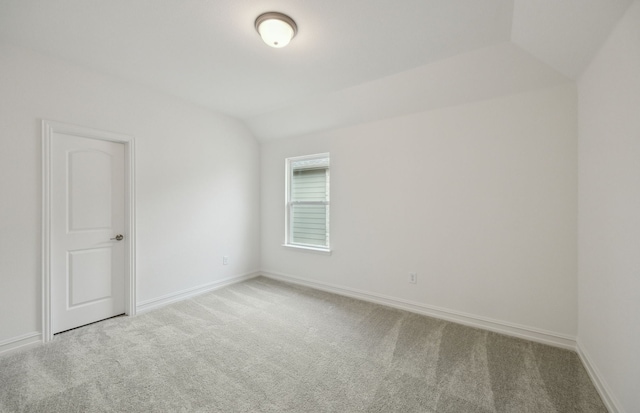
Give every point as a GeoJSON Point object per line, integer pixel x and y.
{"type": "Point", "coordinates": [307, 209]}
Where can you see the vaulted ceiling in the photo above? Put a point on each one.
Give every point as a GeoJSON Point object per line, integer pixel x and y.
{"type": "Point", "coordinates": [352, 60]}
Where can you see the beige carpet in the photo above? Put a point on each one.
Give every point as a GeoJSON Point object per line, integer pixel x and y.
{"type": "Point", "coordinates": [266, 346]}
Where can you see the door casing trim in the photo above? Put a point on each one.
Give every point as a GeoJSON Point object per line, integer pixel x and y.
{"type": "Point", "coordinates": [48, 129]}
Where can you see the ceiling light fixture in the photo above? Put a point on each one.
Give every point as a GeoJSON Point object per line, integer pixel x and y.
{"type": "Point", "coordinates": [276, 29]}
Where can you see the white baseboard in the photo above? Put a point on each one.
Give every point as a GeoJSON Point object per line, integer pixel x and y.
{"type": "Point", "coordinates": [601, 385]}
{"type": "Point", "coordinates": [20, 343]}
{"type": "Point", "coordinates": [503, 327]}
{"type": "Point", "coordinates": [154, 303]}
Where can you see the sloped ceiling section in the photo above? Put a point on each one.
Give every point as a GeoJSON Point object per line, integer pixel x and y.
{"type": "Point", "coordinates": [352, 61]}
{"type": "Point", "coordinates": [565, 34]}
{"type": "Point", "coordinates": [498, 70]}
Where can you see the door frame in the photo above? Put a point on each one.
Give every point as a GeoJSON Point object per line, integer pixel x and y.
{"type": "Point", "coordinates": [48, 129]}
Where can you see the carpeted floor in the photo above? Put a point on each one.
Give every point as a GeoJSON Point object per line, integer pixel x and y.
{"type": "Point", "coordinates": [266, 346]}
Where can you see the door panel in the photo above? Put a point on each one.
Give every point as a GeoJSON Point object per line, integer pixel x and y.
{"type": "Point", "coordinates": [87, 211]}
{"type": "Point", "coordinates": [89, 276]}
{"type": "Point", "coordinates": [89, 182]}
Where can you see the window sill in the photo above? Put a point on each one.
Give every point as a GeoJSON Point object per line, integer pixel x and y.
{"type": "Point", "coordinates": [320, 251]}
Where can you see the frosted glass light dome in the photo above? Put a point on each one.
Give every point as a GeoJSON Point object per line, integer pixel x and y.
{"type": "Point", "coordinates": [276, 29]}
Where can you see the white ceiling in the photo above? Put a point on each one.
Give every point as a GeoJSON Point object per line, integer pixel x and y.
{"type": "Point", "coordinates": [352, 60]}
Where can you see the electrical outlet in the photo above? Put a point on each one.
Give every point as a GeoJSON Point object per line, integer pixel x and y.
{"type": "Point", "coordinates": [225, 260]}
{"type": "Point", "coordinates": [413, 278]}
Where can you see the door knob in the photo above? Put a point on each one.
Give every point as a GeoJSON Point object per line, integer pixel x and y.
{"type": "Point", "coordinates": [118, 237]}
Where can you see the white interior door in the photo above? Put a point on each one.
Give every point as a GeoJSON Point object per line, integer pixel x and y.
{"type": "Point", "coordinates": [87, 215]}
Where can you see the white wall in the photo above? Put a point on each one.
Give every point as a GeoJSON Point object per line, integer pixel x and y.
{"type": "Point", "coordinates": [480, 200]}
{"type": "Point", "coordinates": [609, 213]}
{"type": "Point", "coordinates": [197, 181]}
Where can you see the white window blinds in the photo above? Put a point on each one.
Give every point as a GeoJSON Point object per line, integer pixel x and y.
{"type": "Point", "coordinates": [308, 202]}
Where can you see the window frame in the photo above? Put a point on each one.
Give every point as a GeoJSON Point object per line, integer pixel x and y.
{"type": "Point", "coordinates": [288, 242]}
